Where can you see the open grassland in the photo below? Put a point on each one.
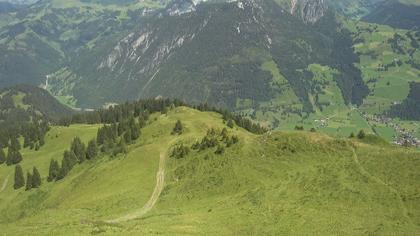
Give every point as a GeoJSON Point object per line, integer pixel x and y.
{"type": "Point", "coordinates": [281, 183]}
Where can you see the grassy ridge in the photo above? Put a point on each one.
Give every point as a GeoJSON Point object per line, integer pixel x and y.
{"type": "Point", "coordinates": [283, 183]}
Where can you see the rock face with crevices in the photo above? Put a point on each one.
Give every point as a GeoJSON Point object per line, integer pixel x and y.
{"type": "Point", "coordinates": [310, 11]}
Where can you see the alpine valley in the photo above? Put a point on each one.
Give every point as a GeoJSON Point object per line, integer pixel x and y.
{"type": "Point", "coordinates": [210, 117]}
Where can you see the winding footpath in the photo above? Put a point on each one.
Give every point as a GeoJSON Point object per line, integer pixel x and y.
{"type": "Point", "coordinates": [160, 180]}
{"type": "Point", "coordinates": [6, 180]}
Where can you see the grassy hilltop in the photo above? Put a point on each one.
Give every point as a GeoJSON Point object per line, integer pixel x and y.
{"type": "Point", "coordinates": [279, 183]}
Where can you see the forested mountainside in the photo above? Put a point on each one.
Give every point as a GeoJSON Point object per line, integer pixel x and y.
{"type": "Point", "coordinates": [23, 103]}
{"type": "Point", "coordinates": [403, 14]}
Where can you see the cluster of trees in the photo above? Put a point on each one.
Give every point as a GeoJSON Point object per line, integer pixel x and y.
{"type": "Point", "coordinates": [113, 138]}
{"type": "Point", "coordinates": [119, 113]}
{"type": "Point", "coordinates": [143, 108]}
{"type": "Point", "coordinates": [13, 156]}
{"type": "Point", "coordinates": [33, 135]}
{"type": "Point", "coordinates": [360, 135]}
{"type": "Point", "coordinates": [301, 128]}
{"type": "Point", "coordinates": [409, 109]}
{"type": "Point", "coordinates": [122, 126]}
{"type": "Point", "coordinates": [180, 151]}
{"type": "Point", "coordinates": [212, 139]}
{"type": "Point", "coordinates": [238, 119]}
{"type": "Point", "coordinates": [33, 180]}
{"type": "Point", "coordinates": [77, 154]}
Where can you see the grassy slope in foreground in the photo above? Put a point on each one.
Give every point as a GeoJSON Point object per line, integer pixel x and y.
{"type": "Point", "coordinates": [295, 183]}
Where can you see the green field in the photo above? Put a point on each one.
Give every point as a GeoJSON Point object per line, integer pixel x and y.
{"type": "Point", "coordinates": [280, 183]}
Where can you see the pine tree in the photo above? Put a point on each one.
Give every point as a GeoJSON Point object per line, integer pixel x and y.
{"type": "Point", "coordinates": [2, 156]}
{"type": "Point", "coordinates": [121, 148]}
{"type": "Point", "coordinates": [10, 157]}
{"type": "Point", "coordinates": [26, 141]}
{"type": "Point", "coordinates": [64, 170]}
{"type": "Point", "coordinates": [17, 157]}
{"type": "Point", "coordinates": [142, 122]}
{"type": "Point", "coordinates": [92, 149]}
{"type": "Point", "coordinates": [70, 159]}
{"type": "Point", "coordinates": [36, 178]}
{"type": "Point", "coordinates": [79, 149]}
{"type": "Point", "coordinates": [135, 129]}
{"type": "Point", "coordinates": [230, 123]}
{"type": "Point", "coordinates": [28, 182]}
{"type": "Point", "coordinates": [127, 136]}
{"type": "Point", "coordinates": [178, 128]}
{"type": "Point", "coordinates": [14, 144]}
{"type": "Point", "coordinates": [53, 170]}
{"type": "Point", "coordinates": [361, 134]}
{"type": "Point", "coordinates": [19, 179]}
{"type": "Point", "coordinates": [100, 136]}
{"type": "Point", "coordinates": [42, 140]}
{"type": "Point", "coordinates": [13, 157]}
{"type": "Point", "coordinates": [220, 150]}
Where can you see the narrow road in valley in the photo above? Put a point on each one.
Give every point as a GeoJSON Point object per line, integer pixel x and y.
{"type": "Point", "coordinates": [6, 180]}
{"type": "Point", "coordinates": [160, 180]}
{"type": "Point", "coordinates": [381, 182]}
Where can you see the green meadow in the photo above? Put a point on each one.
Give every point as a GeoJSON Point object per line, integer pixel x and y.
{"type": "Point", "coordinates": [278, 183]}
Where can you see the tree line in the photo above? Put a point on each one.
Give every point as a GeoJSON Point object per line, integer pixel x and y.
{"type": "Point", "coordinates": [118, 113]}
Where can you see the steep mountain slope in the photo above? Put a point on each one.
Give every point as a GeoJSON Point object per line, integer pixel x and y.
{"type": "Point", "coordinates": [404, 14]}
{"type": "Point", "coordinates": [49, 35]}
{"type": "Point", "coordinates": [181, 56]}
{"type": "Point", "coordinates": [24, 102]}
{"type": "Point", "coordinates": [280, 183]}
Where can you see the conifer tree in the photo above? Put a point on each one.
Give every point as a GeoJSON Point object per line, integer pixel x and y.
{"type": "Point", "coordinates": [230, 123]}
{"type": "Point", "coordinates": [26, 141]}
{"type": "Point", "coordinates": [220, 150]}
{"type": "Point", "coordinates": [178, 128]}
{"type": "Point", "coordinates": [14, 144]}
{"type": "Point", "coordinates": [42, 140]}
{"type": "Point", "coordinates": [19, 179]}
{"type": "Point", "coordinates": [28, 181]}
{"type": "Point", "coordinates": [100, 136]}
{"type": "Point", "coordinates": [142, 122]}
{"type": "Point", "coordinates": [13, 157]}
{"type": "Point", "coordinates": [36, 178]}
{"type": "Point", "coordinates": [53, 170]}
{"type": "Point", "coordinates": [92, 149]}
{"type": "Point", "coordinates": [65, 168]}
{"type": "Point", "coordinates": [361, 134]}
{"type": "Point", "coordinates": [10, 157]}
{"type": "Point", "coordinates": [127, 136]}
{"type": "Point", "coordinates": [78, 149]}
{"type": "Point", "coordinates": [71, 158]}
{"type": "Point", "coordinates": [2, 156]}
{"type": "Point", "coordinates": [17, 157]}
{"type": "Point", "coordinates": [135, 129]}
{"type": "Point", "coordinates": [121, 148]}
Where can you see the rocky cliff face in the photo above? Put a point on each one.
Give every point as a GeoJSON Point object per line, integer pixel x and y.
{"type": "Point", "coordinates": [309, 10]}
